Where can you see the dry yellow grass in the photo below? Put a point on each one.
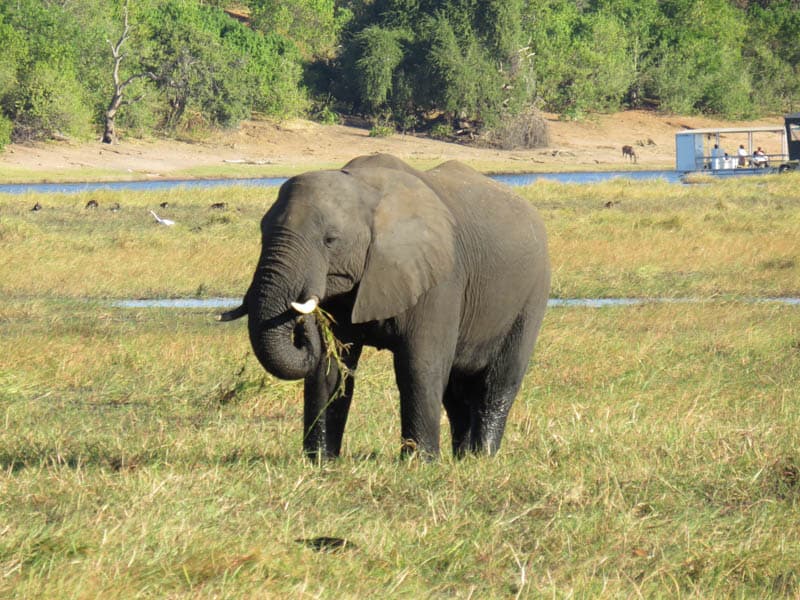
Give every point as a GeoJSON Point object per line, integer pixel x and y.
{"type": "Point", "coordinates": [654, 239]}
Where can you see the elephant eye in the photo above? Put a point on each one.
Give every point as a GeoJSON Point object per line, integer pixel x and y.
{"type": "Point", "coordinates": [330, 240]}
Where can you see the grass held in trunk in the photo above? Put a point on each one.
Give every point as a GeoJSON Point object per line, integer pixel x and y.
{"type": "Point", "coordinates": [334, 348]}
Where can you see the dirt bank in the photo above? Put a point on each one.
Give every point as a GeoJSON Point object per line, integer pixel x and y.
{"type": "Point", "coordinates": [592, 143]}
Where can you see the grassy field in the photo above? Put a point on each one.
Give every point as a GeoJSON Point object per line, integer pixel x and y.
{"type": "Point", "coordinates": [653, 450]}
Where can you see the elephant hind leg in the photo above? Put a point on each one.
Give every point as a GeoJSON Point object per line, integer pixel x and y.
{"type": "Point", "coordinates": [499, 387]}
{"type": "Point", "coordinates": [461, 393]}
{"type": "Point", "coordinates": [477, 409]}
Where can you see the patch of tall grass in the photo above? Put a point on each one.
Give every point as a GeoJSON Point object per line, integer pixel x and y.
{"type": "Point", "coordinates": [618, 238]}
{"type": "Point", "coordinates": [656, 239]}
{"type": "Point", "coordinates": [652, 451]}
{"type": "Point", "coordinates": [66, 249]}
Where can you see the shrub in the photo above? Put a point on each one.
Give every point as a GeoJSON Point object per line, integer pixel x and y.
{"type": "Point", "coordinates": [525, 130]}
{"type": "Point", "coordinates": [326, 115]}
{"type": "Point", "coordinates": [379, 130]}
{"type": "Point", "coordinates": [441, 131]}
{"type": "Point", "coordinates": [53, 104]}
{"type": "Point", "coordinates": [5, 131]}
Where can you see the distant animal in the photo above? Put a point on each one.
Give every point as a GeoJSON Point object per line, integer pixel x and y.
{"type": "Point", "coordinates": [92, 204]}
{"type": "Point", "coordinates": [164, 204]}
{"type": "Point", "coordinates": [114, 207]}
{"type": "Point", "coordinates": [36, 207]}
{"type": "Point", "coordinates": [219, 206]}
{"type": "Point", "coordinates": [445, 268]}
{"type": "Point", "coordinates": [629, 152]}
{"type": "Point", "coordinates": [167, 222]}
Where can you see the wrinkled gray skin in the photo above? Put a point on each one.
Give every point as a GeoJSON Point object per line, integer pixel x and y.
{"type": "Point", "coordinates": [445, 268]}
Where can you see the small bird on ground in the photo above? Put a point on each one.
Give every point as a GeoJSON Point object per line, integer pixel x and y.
{"type": "Point", "coordinates": [164, 204]}
{"type": "Point", "coordinates": [115, 207]}
{"type": "Point", "coordinates": [92, 204]}
{"type": "Point", "coordinates": [36, 207]}
{"type": "Point", "coordinates": [161, 221]}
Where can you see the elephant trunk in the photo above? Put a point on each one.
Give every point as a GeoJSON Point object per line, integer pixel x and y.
{"type": "Point", "coordinates": [283, 330]}
{"type": "Point", "coordinates": [288, 346]}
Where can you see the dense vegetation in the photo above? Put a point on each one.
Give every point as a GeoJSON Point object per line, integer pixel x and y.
{"type": "Point", "coordinates": [402, 63]}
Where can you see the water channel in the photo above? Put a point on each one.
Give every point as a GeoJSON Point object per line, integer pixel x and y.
{"type": "Point", "coordinates": [220, 303]}
{"type": "Point", "coordinates": [516, 179]}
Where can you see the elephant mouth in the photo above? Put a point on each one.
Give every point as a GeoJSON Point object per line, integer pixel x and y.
{"type": "Point", "coordinates": [339, 283]}
{"type": "Point", "coordinates": [299, 336]}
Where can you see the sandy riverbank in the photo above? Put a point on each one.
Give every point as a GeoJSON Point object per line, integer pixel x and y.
{"type": "Point", "coordinates": [594, 143]}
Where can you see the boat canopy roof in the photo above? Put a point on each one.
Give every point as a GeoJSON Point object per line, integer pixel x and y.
{"type": "Point", "coordinates": [714, 130]}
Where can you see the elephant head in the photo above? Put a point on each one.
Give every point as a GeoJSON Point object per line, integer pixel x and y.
{"type": "Point", "coordinates": [372, 234]}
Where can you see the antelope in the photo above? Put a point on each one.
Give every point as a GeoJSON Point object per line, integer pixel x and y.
{"type": "Point", "coordinates": [629, 152]}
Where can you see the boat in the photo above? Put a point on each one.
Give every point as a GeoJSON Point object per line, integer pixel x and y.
{"type": "Point", "coordinates": [716, 151]}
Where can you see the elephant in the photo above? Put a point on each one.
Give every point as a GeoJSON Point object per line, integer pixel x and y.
{"type": "Point", "coordinates": [446, 268]}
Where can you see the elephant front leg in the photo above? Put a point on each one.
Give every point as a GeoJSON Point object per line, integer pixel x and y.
{"type": "Point", "coordinates": [327, 396]}
{"type": "Point", "coordinates": [421, 385]}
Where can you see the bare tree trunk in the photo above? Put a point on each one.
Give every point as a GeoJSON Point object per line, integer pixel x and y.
{"type": "Point", "coordinates": [117, 101]}
{"type": "Point", "coordinates": [110, 132]}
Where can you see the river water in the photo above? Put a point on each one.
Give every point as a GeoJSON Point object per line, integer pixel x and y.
{"type": "Point", "coordinates": [220, 303]}
{"type": "Point", "coordinates": [152, 185]}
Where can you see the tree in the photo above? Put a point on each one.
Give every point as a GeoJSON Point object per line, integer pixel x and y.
{"type": "Point", "coordinates": [117, 97]}
{"type": "Point", "coordinates": [463, 58]}
{"type": "Point", "coordinates": [313, 25]}
{"type": "Point", "coordinates": [699, 65]}
{"type": "Point", "coordinates": [380, 55]}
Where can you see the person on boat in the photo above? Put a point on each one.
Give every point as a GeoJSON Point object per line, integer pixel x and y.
{"type": "Point", "coordinates": [728, 162]}
{"type": "Point", "coordinates": [742, 156]}
{"type": "Point", "coordinates": [760, 159]}
{"type": "Point", "coordinates": [717, 154]}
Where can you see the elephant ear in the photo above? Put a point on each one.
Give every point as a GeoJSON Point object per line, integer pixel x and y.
{"type": "Point", "coordinates": [412, 246]}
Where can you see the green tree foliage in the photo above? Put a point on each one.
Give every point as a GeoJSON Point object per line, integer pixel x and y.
{"type": "Point", "coordinates": [457, 57]}
{"type": "Point", "coordinates": [379, 54]}
{"type": "Point", "coordinates": [55, 68]}
{"type": "Point", "coordinates": [465, 82]}
{"type": "Point", "coordinates": [52, 103]}
{"type": "Point", "coordinates": [14, 51]}
{"type": "Point", "coordinates": [582, 61]}
{"type": "Point", "coordinates": [700, 65]}
{"type": "Point", "coordinates": [213, 68]}
{"type": "Point", "coordinates": [772, 50]}
{"type": "Point", "coordinates": [41, 93]}
{"type": "Point", "coordinates": [408, 61]}
{"type": "Point", "coordinates": [313, 25]}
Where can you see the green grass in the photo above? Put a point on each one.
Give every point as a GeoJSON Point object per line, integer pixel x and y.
{"type": "Point", "coordinates": [653, 450]}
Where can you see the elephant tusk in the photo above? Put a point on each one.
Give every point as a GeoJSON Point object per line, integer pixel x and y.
{"type": "Point", "coordinates": [307, 307]}
{"type": "Point", "coordinates": [234, 314]}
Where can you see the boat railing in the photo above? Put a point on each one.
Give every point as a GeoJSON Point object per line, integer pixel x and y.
{"type": "Point", "coordinates": [718, 163]}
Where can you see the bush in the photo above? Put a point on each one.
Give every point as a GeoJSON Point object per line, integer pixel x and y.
{"type": "Point", "coordinates": [53, 104]}
{"type": "Point", "coordinates": [5, 131]}
{"type": "Point", "coordinates": [381, 131]}
{"type": "Point", "coordinates": [441, 131]}
{"type": "Point", "coordinates": [328, 116]}
{"type": "Point", "coordinates": [380, 53]}
{"type": "Point", "coordinates": [526, 130]}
